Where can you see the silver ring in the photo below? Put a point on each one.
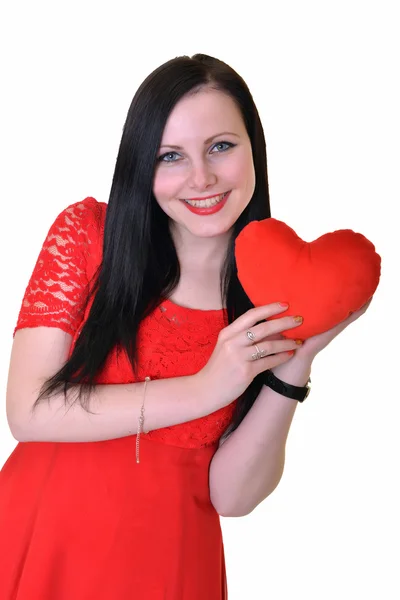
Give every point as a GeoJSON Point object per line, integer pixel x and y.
{"type": "Point", "coordinates": [251, 335]}
{"type": "Point", "coordinates": [258, 354]}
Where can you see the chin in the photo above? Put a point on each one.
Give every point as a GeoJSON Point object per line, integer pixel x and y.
{"type": "Point", "coordinates": [210, 231]}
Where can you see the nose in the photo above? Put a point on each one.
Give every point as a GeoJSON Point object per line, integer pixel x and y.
{"type": "Point", "coordinates": [201, 176]}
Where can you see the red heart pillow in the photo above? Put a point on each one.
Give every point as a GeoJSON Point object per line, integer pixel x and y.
{"type": "Point", "coordinates": [324, 280]}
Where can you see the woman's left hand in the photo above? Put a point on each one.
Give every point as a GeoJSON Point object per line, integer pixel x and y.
{"type": "Point", "coordinates": [313, 345]}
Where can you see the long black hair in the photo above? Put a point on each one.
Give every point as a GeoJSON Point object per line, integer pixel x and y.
{"type": "Point", "coordinates": [131, 280]}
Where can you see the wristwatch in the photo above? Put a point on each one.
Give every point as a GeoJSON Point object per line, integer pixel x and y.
{"type": "Point", "coordinates": [290, 391]}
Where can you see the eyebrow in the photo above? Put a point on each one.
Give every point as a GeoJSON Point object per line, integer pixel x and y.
{"type": "Point", "coordinates": [207, 141]}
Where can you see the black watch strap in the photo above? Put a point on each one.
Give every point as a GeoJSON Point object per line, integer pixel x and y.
{"type": "Point", "coordinates": [290, 391]}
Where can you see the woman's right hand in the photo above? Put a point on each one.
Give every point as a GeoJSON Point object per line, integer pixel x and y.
{"type": "Point", "coordinates": [231, 367]}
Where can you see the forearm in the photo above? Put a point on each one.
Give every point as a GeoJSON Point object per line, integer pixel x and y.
{"type": "Point", "coordinates": [114, 411]}
{"type": "Point", "coordinates": [249, 464]}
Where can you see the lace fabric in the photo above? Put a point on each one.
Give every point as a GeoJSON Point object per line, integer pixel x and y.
{"type": "Point", "coordinates": [177, 341]}
{"type": "Point", "coordinates": [56, 292]}
{"type": "Point", "coordinates": [173, 341]}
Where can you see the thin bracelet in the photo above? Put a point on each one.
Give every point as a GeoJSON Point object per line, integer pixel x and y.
{"type": "Point", "coordinates": [141, 419]}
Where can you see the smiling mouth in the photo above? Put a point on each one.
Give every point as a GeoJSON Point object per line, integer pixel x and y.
{"type": "Point", "coordinates": [208, 202]}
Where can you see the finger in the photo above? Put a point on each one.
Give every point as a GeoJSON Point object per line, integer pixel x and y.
{"type": "Point", "coordinates": [262, 364]}
{"type": "Point", "coordinates": [263, 330]}
{"type": "Point", "coordinates": [254, 315]}
{"type": "Point", "coordinates": [268, 347]}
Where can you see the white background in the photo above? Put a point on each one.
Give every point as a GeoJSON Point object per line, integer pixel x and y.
{"type": "Point", "coordinates": [324, 76]}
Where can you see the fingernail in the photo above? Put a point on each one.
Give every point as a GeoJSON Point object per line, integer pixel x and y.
{"type": "Point", "coordinates": [291, 352]}
{"type": "Point", "coordinates": [283, 304]}
{"type": "Point", "coordinates": [298, 319]}
{"type": "Point", "coordinates": [299, 342]}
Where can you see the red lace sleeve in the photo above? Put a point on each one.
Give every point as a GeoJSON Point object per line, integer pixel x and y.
{"type": "Point", "coordinates": [57, 290]}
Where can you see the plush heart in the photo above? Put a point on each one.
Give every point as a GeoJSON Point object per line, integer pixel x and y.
{"type": "Point", "coordinates": [324, 280]}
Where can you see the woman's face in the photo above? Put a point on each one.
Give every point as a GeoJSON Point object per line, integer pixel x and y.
{"type": "Point", "coordinates": [205, 152]}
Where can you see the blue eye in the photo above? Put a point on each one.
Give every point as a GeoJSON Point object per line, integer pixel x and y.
{"type": "Point", "coordinates": [163, 156]}
{"type": "Point", "coordinates": [224, 144]}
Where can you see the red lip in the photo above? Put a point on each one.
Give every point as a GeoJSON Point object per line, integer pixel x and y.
{"type": "Point", "coordinates": [208, 210]}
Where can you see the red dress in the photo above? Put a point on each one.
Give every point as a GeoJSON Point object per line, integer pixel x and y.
{"type": "Point", "coordinates": [84, 521]}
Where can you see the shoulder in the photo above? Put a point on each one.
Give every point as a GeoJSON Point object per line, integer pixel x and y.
{"type": "Point", "coordinates": [86, 216]}
{"type": "Point", "coordinates": [69, 257]}
{"type": "Point", "coordinates": [80, 226]}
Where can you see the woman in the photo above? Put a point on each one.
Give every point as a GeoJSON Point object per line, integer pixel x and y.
{"type": "Point", "coordinates": [136, 338]}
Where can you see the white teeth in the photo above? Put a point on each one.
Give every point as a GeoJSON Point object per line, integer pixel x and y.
{"type": "Point", "coordinates": [206, 203]}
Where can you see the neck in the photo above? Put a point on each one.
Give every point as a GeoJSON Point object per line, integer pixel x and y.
{"type": "Point", "coordinates": [200, 254]}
